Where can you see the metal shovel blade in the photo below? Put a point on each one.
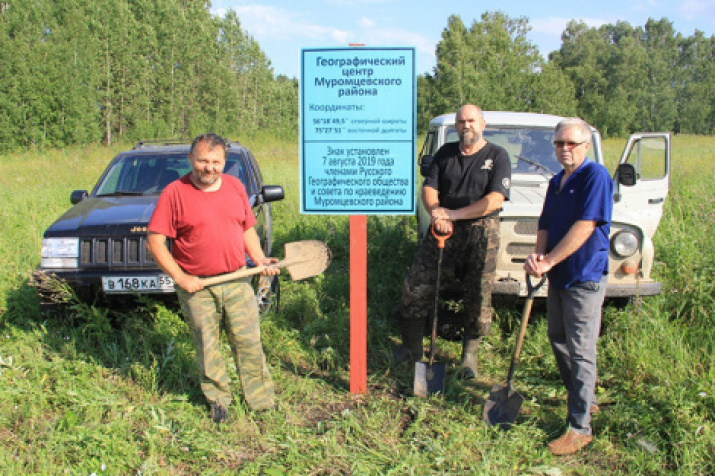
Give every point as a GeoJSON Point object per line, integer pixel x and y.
{"type": "Point", "coordinates": [502, 407]}
{"type": "Point", "coordinates": [429, 379]}
{"type": "Point", "coordinates": [303, 259]}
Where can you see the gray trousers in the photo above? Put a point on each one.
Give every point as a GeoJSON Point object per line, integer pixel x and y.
{"type": "Point", "coordinates": [574, 322]}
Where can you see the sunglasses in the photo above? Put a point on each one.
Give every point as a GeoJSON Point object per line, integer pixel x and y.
{"type": "Point", "coordinates": [569, 144]}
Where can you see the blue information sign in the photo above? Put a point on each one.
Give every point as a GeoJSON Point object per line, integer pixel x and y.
{"type": "Point", "coordinates": [357, 128]}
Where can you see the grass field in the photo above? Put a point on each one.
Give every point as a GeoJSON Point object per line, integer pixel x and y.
{"type": "Point", "coordinates": [117, 392]}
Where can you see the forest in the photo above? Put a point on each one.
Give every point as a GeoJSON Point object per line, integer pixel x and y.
{"type": "Point", "coordinates": [106, 71]}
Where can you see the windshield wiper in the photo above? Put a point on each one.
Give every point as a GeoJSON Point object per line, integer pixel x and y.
{"type": "Point", "coordinates": [125, 193]}
{"type": "Point", "coordinates": [536, 164]}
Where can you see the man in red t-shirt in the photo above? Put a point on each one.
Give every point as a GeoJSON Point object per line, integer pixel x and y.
{"type": "Point", "coordinates": [208, 216]}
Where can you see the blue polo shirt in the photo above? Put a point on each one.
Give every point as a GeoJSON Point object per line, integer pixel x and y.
{"type": "Point", "coordinates": [586, 195]}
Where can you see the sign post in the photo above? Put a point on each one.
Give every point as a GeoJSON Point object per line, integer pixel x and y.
{"type": "Point", "coordinates": [357, 129]}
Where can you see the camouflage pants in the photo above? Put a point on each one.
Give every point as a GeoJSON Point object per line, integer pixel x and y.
{"type": "Point", "coordinates": [233, 307]}
{"type": "Point", "coordinates": [468, 265]}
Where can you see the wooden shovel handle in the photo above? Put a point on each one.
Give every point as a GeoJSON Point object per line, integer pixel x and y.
{"type": "Point", "coordinates": [522, 329]}
{"type": "Point", "coordinates": [242, 273]}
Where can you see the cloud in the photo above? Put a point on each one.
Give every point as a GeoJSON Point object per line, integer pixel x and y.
{"type": "Point", "coordinates": [266, 22]}
{"type": "Point", "coordinates": [366, 22]}
{"type": "Point", "coordinates": [698, 9]}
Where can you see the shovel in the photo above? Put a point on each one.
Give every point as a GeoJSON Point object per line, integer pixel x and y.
{"type": "Point", "coordinates": [504, 403]}
{"type": "Point", "coordinates": [429, 378]}
{"type": "Point", "coordinates": [303, 259]}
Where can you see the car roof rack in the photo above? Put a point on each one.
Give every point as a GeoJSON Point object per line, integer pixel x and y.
{"type": "Point", "coordinates": [161, 142]}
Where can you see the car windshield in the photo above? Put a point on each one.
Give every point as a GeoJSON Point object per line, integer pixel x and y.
{"type": "Point", "coordinates": [134, 174]}
{"type": "Point", "coordinates": [531, 149]}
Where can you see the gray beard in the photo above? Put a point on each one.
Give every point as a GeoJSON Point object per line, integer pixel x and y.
{"type": "Point", "coordinates": [466, 141]}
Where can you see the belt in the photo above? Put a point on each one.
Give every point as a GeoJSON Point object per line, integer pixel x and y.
{"type": "Point", "coordinates": [472, 221]}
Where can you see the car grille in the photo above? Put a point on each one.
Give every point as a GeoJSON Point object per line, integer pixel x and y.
{"type": "Point", "coordinates": [125, 252]}
{"type": "Point", "coordinates": [517, 242]}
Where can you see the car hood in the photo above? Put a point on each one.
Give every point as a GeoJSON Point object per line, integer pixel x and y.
{"type": "Point", "coordinates": [526, 199]}
{"type": "Point", "coordinates": [98, 215]}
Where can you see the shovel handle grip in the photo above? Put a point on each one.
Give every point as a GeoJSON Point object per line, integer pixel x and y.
{"type": "Point", "coordinates": [530, 288]}
{"type": "Point", "coordinates": [440, 238]}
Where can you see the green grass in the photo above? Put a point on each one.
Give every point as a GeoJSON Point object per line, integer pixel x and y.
{"type": "Point", "coordinates": [117, 393]}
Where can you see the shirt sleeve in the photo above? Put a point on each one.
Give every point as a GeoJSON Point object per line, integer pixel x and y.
{"type": "Point", "coordinates": [597, 204]}
{"type": "Point", "coordinates": [249, 219]}
{"type": "Point", "coordinates": [163, 218]}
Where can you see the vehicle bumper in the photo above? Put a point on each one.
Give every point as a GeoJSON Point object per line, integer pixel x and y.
{"type": "Point", "coordinates": [83, 281]}
{"type": "Point", "coordinates": [518, 288]}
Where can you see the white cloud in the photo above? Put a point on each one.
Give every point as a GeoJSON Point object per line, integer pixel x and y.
{"type": "Point", "coordinates": [366, 22]}
{"type": "Point", "coordinates": [266, 22]}
{"type": "Point", "coordinates": [698, 10]}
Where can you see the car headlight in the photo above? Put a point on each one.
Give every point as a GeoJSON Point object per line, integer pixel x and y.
{"type": "Point", "coordinates": [59, 253]}
{"type": "Point", "coordinates": [624, 244]}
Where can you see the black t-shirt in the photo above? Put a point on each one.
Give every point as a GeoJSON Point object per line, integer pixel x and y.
{"type": "Point", "coordinates": [461, 180]}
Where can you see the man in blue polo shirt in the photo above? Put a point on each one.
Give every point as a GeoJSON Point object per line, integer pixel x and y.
{"type": "Point", "coordinates": [572, 248]}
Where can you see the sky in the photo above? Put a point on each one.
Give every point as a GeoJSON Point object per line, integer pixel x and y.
{"type": "Point", "coordinates": [283, 27]}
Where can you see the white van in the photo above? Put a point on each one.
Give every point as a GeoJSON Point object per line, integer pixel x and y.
{"type": "Point", "coordinates": [641, 186]}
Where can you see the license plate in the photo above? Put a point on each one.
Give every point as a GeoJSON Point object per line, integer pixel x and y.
{"type": "Point", "coordinates": [129, 284]}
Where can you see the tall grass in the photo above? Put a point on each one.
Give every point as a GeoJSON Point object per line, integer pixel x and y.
{"type": "Point", "coordinates": [117, 393]}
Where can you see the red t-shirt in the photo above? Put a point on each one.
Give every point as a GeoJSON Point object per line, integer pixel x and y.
{"type": "Point", "coordinates": [206, 227]}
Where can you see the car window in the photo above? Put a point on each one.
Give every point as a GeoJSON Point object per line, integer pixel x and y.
{"type": "Point", "coordinates": [236, 166]}
{"type": "Point", "coordinates": [134, 174]}
{"type": "Point", "coordinates": [142, 174]}
{"type": "Point", "coordinates": [429, 146]}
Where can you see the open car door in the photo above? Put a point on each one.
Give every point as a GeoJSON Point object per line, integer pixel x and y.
{"type": "Point", "coordinates": [642, 178]}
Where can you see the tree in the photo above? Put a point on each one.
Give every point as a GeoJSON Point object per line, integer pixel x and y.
{"type": "Point", "coordinates": [696, 83]}
{"type": "Point", "coordinates": [493, 65]}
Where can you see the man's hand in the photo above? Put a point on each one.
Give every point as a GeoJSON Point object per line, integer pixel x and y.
{"type": "Point", "coordinates": [441, 220]}
{"type": "Point", "coordinates": [537, 265]}
{"type": "Point", "coordinates": [441, 213]}
{"type": "Point", "coordinates": [189, 283]}
{"type": "Point", "coordinates": [270, 270]}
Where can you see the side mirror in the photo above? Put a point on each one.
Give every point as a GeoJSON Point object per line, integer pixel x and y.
{"type": "Point", "coordinates": [77, 196]}
{"type": "Point", "coordinates": [626, 175]}
{"type": "Point", "coordinates": [426, 164]}
{"type": "Point", "coordinates": [271, 193]}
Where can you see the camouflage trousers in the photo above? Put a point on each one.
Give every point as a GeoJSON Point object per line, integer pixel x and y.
{"type": "Point", "coordinates": [468, 267]}
{"type": "Point", "coordinates": [231, 306]}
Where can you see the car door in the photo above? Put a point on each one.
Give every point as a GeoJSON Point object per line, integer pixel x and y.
{"type": "Point", "coordinates": [642, 178]}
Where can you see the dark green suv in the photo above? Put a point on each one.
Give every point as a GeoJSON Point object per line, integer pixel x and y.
{"type": "Point", "coordinates": [98, 245]}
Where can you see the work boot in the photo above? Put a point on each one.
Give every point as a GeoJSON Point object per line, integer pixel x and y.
{"type": "Point", "coordinates": [411, 349]}
{"type": "Point", "coordinates": [468, 367]}
{"type": "Point", "coordinates": [569, 443]}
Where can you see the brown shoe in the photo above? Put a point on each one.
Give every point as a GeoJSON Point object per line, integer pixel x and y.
{"type": "Point", "coordinates": [569, 443]}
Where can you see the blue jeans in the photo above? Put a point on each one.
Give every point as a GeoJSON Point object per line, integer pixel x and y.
{"type": "Point", "coordinates": [574, 322]}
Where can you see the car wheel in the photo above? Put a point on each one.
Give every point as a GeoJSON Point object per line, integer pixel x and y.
{"type": "Point", "coordinates": [268, 293]}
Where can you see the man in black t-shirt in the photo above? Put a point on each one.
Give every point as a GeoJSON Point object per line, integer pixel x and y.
{"type": "Point", "coordinates": [463, 193]}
